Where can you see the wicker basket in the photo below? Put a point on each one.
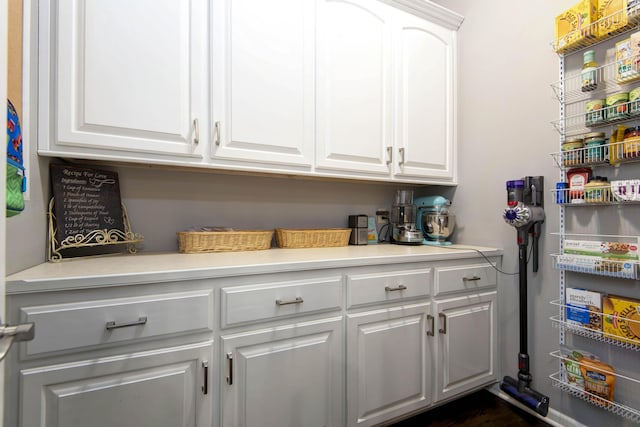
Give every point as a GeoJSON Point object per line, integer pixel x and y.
{"type": "Point", "coordinates": [312, 238]}
{"type": "Point", "coordinates": [192, 242]}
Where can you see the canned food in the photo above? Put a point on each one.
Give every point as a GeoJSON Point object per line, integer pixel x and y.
{"type": "Point", "coordinates": [597, 190]}
{"type": "Point", "coordinates": [594, 143]}
{"type": "Point", "coordinates": [617, 106]}
{"type": "Point", "coordinates": [634, 101]}
{"type": "Point", "coordinates": [572, 153]}
{"type": "Point", "coordinates": [595, 112]}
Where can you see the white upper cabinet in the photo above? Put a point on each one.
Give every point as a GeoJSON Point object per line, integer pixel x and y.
{"type": "Point", "coordinates": [354, 86]}
{"type": "Point", "coordinates": [386, 90]}
{"type": "Point", "coordinates": [263, 93]}
{"type": "Point", "coordinates": [123, 79]}
{"type": "Point", "coordinates": [425, 99]}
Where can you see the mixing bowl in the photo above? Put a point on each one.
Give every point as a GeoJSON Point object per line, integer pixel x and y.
{"type": "Point", "coordinates": [438, 227]}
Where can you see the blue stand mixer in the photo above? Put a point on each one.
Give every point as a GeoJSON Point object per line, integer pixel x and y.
{"type": "Point", "coordinates": [434, 219]}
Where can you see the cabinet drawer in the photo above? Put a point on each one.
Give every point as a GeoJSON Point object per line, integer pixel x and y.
{"type": "Point", "coordinates": [465, 278]}
{"type": "Point", "coordinates": [91, 323]}
{"type": "Point", "coordinates": [242, 304]}
{"type": "Point", "coordinates": [391, 286]}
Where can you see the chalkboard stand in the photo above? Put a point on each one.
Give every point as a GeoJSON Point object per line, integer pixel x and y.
{"type": "Point", "coordinates": [93, 238]}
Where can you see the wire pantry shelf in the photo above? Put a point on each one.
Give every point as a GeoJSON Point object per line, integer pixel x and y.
{"type": "Point", "coordinates": [578, 121]}
{"type": "Point", "coordinates": [596, 266]}
{"type": "Point", "coordinates": [560, 322]}
{"type": "Point", "coordinates": [616, 408]}
{"type": "Point", "coordinates": [611, 153]}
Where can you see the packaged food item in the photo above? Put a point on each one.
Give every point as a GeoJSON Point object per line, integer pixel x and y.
{"type": "Point", "coordinates": [634, 101]}
{"type": "Point", "coordinates": [617, 106]}
{"type": "Point", "coordinates": [584, 308]}
{"type": "Point", "coordinates": [602, 249]}
{"type": "Point", "coordinates": [571, 372]}
{"type": "Point", "coordinates": [621, 318]}
{"type": "Point", "coordinates": [631, 142]}
{"type": "Point", "coordinates": [575, 24]}
{"type": "Point", "coordinates": [616, 148]}
{"type": "Point", "coordinates": [599, 380]}
{"type": "Point", "coordinates": [626, 190]}
{"type": "Point", "coordinates": [612, 16]}
{"type": "Point", "coordinates": [597, 190]}
{"type": "Point", "coordinates": [572, 153]}
{"type": "Point", "coordinates": [594, 142]}
{"type": "Point", "coordinates": [589, 73]}
{"type": "Point", "coordinates": [561, 192]}
{"type": "Point", "coordinates": [577, 179]}
{"type": "Point", "coordinates": [595, 112]}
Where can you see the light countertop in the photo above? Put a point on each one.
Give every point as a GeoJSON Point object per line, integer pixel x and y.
{"type": "Point", "coordinates": [127, 269]}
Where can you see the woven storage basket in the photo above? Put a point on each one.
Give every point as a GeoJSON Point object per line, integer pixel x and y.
{"type": "Point", "coordinates": [312, 238]}
{"type": "Point", "coordinates": [191, 242]}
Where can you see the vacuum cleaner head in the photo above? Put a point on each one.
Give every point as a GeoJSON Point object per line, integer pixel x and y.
{"type": "Point", "coordinates": [526, 395]}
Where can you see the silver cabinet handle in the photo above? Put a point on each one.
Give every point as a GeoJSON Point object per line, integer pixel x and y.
{"type": "Point", "coordinates": [401, 152]}
{"type": "Point", "coordinates": [298, 300]}
{"type": "Point", "coordinates": [11, 334]}
{"type": "Point", "coordinates": [398, 288]}
{"type": "Point", "coordinates": [113, 325]}
{"type": "Point", "coordinates": [196, 132]}
{"type": "Point", "coordinates": [216, 128]}
{"type": "Point", "coordinates": [389, 155]}
{"type": "Point", "coordinates": [471, 279]}
{"type": "Point", "coordinates": [205, 383]}
{"type": "Point", "coordinates": [431, 331]}
{"type": "Point", "coordinates": [443, 316]}
{"type": "Point", "coordinates": [230, 368]}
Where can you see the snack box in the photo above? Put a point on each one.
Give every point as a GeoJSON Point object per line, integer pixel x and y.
{"type": "Point", "coordinates": [621, 318]}
{"type": "Point", "coordinates": [627, 59]}
{"type": "Point", "coordinates": [584, 308]}
{"type": "Point", "coordinates": [595, 265]}
{"type": "Point", "coordinates": [612, 16]}
{"type": "Point", "coordinates": [574, 24]}
{"type": "Point", "coordinates": [602, 249]}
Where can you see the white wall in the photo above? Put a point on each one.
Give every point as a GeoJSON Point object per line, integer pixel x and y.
{"type": "Point", "coordinates": [506, 68]}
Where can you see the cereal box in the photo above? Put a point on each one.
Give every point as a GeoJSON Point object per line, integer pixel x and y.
{"type": "Point", "coordinates": [612, 16]}
{"type": "Point", "coordinates": [574, 25]}
{"type": "Point", "coordinates": [621, 318]}
{"type": "Point", "coordinates": [584, 308]}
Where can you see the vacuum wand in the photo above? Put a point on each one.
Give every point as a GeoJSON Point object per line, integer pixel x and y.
{"type": "Point", "coordinates": [525, 212]}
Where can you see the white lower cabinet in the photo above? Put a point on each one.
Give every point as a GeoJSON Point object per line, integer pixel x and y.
{"type": "Point", "coordinates": [466, 333]}
{"type": "Point", "coordinates": [163, 388]}
{"type": "Point", "coordinates": [389, 363]}
{"type": "Point", "coordinates": [287, 376]}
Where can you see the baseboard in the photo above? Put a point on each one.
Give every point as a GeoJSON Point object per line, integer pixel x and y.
{"type": "Point", "coordinates": [554, 417]}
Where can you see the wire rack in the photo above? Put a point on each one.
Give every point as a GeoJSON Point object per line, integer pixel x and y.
{"type": "Point", "coordinates": [596, 266]}
{"type": "Point", "coordinates": [560, 322]}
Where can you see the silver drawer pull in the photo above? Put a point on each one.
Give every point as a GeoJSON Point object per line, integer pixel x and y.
{"type": "Point", "coordinates": [471, 279]}
{"type": "Point", "coordinates": [398, 288]}
{"type": "Point", "coordinates": [113, 325]}
{"type": "Point", "coordinates": [298, 300]}
{"type": "Point", "coordinates": [431, 331]}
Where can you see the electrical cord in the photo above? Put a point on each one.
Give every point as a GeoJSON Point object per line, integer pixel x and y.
{"type": "Point", "coordinates": [489, 261]}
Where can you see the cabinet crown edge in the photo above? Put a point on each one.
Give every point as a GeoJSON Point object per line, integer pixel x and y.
{"type": "Point", "coordinates": [430, 11]}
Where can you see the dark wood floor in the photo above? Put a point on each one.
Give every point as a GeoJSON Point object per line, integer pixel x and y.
{"type": "Point", "coordinates": [482, 408]}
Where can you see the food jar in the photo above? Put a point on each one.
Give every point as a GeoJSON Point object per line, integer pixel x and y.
{"type": "Point", "coordinates": [594, 147]}
{"type": "Point", "coordinates": [634, 101]}
{"type": "Point", "coordinates": [617, 106]}
{"type": "Point", "coordinates": [572, 153]}
{"type": "Point", "coordinates": [578, 178]}
{"type": "Point", "coordinates": [597, 190]}
{"type": "Point", "coordinates": [595, 112]}
{"type": "Point", "coordinates": [631, 142]}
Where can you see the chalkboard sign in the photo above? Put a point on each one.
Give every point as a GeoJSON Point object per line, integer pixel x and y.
{"type": "Point", "coordinates": [87, 208]}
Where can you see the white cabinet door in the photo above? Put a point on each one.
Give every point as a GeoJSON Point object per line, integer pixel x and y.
{"type": "Point", "coordinates": [164, 388]}
{"type": "Point", "coordinates": [290, 376]}
{"type": "Point", "coordinates": [424, 58]}
{"type": "Point", "coordinates": [389, 363]}
{"type": "Point", "coordinates": [263, 93]}
{"type": "Point", "coordinates": [354, 86]}
{"type": "Point", "coordinates": [123, 77]}
{"type": "Point", "coordinates": [466, 356]}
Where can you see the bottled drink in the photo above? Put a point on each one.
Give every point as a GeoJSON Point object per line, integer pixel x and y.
{"type": "Point", "coordinates": [589, 70]}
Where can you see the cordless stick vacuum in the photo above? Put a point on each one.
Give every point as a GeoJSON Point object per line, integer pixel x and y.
{"type": "Point", "coordinates": [525, 211]}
